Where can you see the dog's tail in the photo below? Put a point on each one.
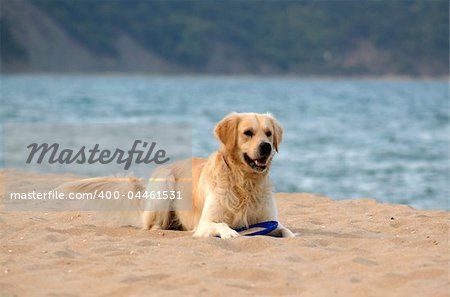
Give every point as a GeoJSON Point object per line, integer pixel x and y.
{"type": "Point", "coordinates": [113, 197]}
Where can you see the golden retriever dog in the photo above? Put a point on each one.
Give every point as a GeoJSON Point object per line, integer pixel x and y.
{"type": "Point", "coordinates": [230, 189]}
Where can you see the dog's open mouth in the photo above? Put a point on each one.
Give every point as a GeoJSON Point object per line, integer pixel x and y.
{"type": "Point", "coordinates": [256, 164]}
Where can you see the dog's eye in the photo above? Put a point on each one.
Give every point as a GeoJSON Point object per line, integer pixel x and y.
{"type": "Point", "coordinates": [268, 133]}
{"type": "Point", "coordinates": [248, 133]}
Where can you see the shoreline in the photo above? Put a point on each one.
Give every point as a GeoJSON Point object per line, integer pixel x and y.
{"type": "Point", "coordinates": [64, 177]}
{"type": "Point", "coordinates": [181, 75]}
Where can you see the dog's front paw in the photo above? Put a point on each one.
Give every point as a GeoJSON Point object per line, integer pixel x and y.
{"type": "Point", "coordinates": [226, 232]}
{"type": "Point", "coordinates": [285, 232]}
{"type": "Point", "coordinates": [215, 229]}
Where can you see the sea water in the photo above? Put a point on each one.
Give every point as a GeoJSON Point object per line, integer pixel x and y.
{"type": "Point", "coordinates": [345, 138]}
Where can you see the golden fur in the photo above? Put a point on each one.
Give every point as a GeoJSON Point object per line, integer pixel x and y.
{"type": "Point", "coordinates": [225, 193]}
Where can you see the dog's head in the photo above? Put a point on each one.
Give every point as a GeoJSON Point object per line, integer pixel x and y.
{"type": "Point", "coordinates": [250, 138]}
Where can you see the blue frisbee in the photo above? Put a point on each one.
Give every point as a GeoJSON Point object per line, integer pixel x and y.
{"type": "Point", "coordinates": [262, 228]}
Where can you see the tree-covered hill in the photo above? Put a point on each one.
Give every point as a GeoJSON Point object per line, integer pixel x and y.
{"type": "Point", "coordinates": [287, 37]}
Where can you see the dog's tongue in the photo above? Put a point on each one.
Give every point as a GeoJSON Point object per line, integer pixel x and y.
{"type": "Point", "coordinates": [261, 162]}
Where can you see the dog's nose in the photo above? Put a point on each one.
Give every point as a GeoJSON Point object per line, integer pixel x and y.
{"type": "Point", "coordinates": [265, 149]}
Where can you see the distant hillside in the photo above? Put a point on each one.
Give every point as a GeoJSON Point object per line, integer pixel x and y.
{"type": "Point", "coordinates": [255, 37]}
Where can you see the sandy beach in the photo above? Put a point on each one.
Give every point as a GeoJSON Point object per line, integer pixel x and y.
{"type": "Point", "coordinates": [343, 248]}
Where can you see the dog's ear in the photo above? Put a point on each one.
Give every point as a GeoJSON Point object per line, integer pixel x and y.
{"type": "Point", "coordinates": [277, 132]}
{"type": "Point", "coordinates": [226, 130]}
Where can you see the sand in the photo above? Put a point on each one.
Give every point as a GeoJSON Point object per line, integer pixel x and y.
{"type": "Point", "coordinates": [343, 248]}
